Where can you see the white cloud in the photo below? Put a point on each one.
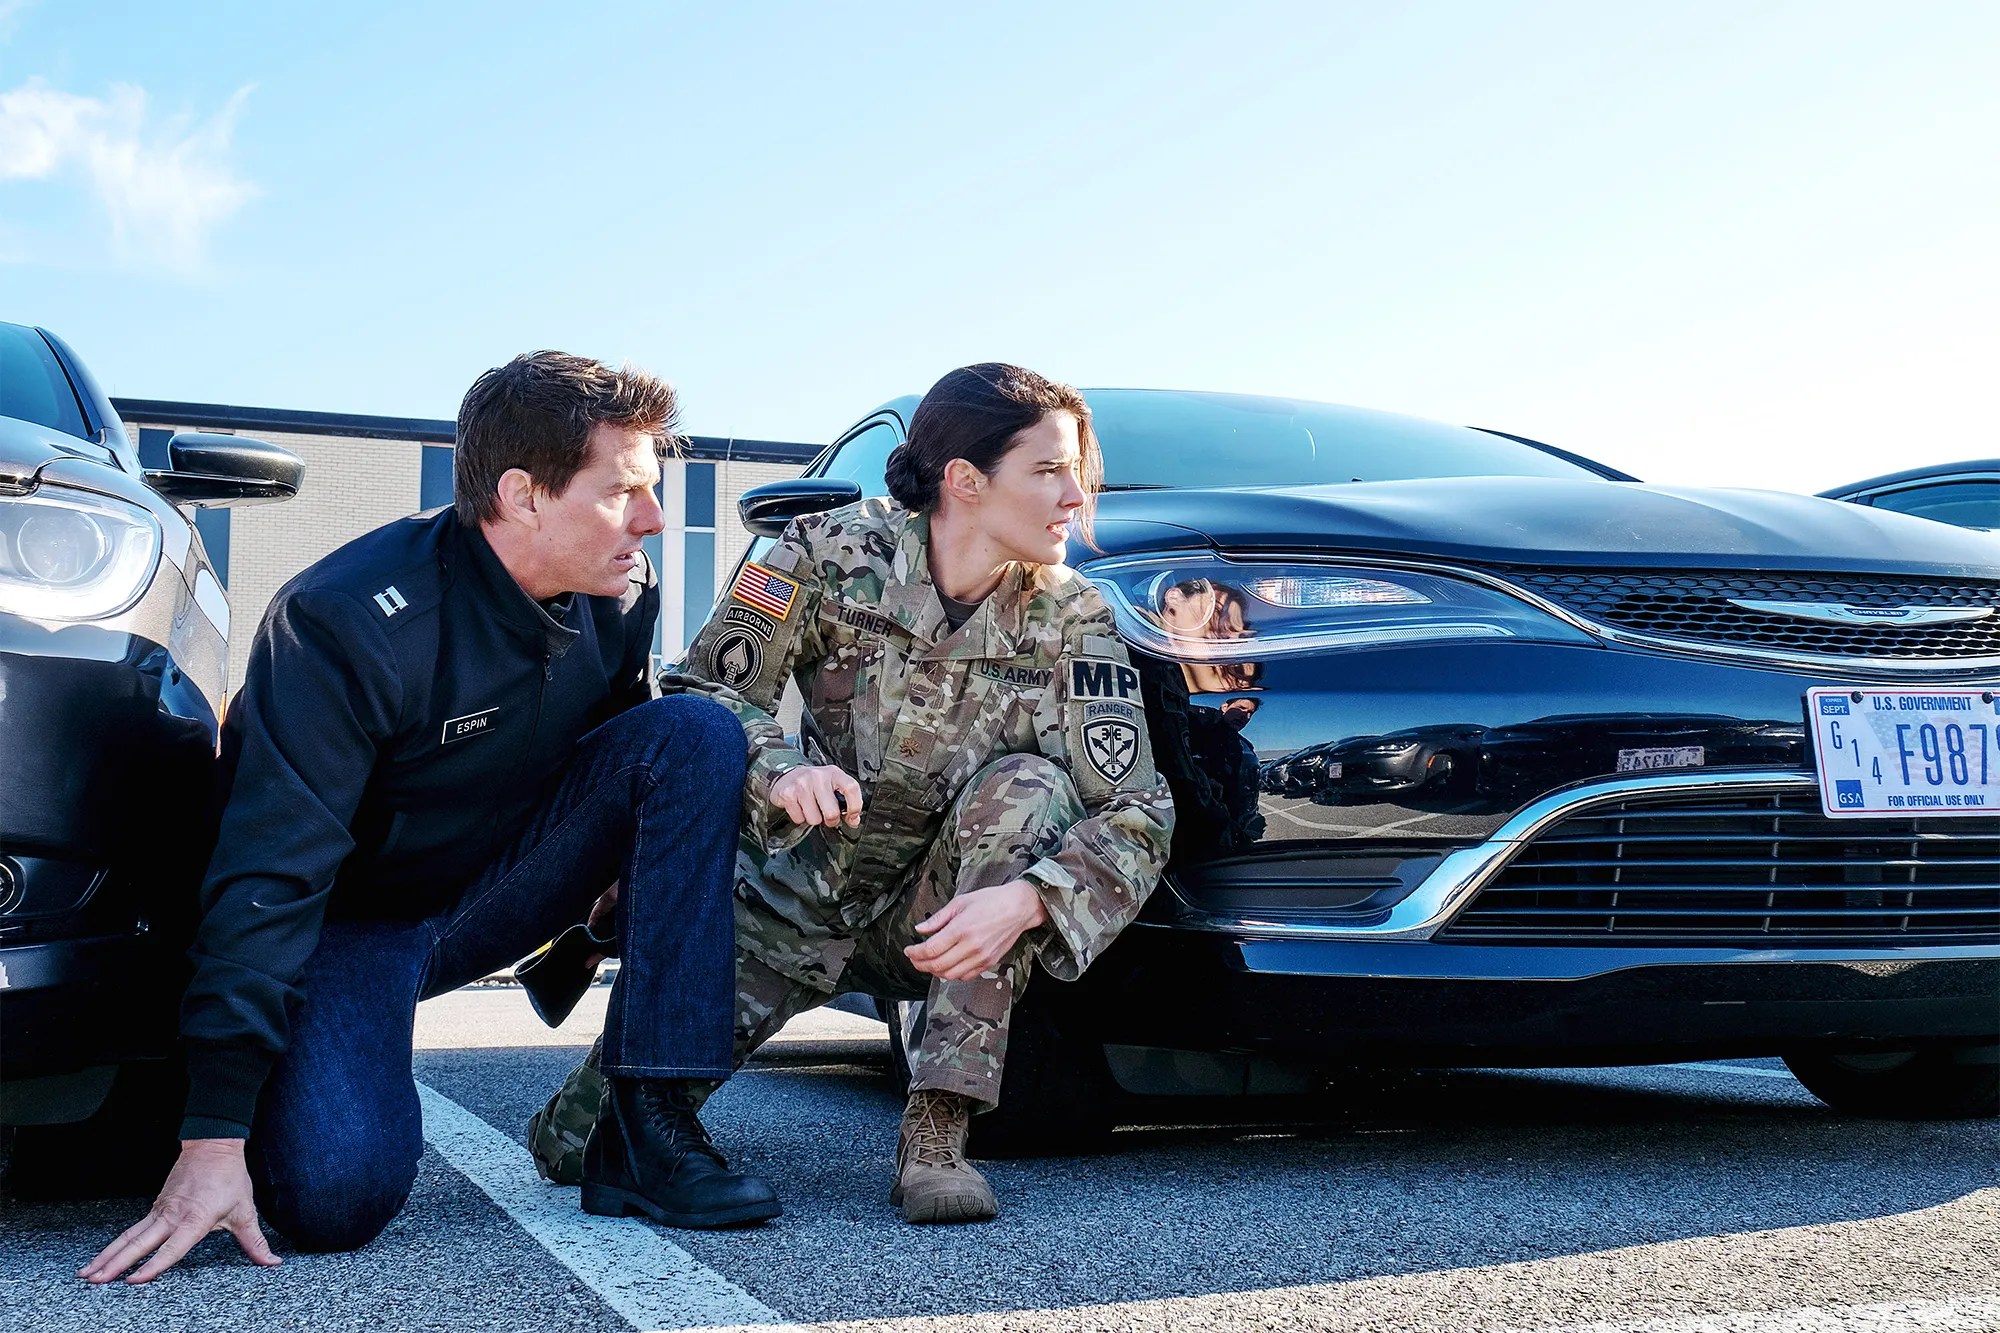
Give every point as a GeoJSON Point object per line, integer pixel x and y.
{"type": "Point", "coordinates": [163, 186]}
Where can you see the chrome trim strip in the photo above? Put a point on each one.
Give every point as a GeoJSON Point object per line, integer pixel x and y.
{"type": "Point", "coordinates": [1845, 613]}
{"type": "Point", "coordinates": [1447, 890]}
{"type": "Point", "coordinates": [1816, 663]}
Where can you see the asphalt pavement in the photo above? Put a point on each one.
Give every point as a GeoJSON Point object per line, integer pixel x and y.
{"type": "Point", "coordinates": [1714, 1198]}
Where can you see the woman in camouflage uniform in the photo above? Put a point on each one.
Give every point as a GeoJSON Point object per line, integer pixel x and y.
{"type": "Point", "coordinates": [973, 792]}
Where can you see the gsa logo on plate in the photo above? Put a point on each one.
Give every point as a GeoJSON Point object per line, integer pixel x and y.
{"type": "Point", "coordinates": [1847, 795]}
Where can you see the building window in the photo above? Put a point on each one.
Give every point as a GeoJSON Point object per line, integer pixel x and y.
{"type": "Point", "coordinates": [698, 548]}
{"type": "Point", "coordinates": [700, 496]}
{"type": "Point", "coordinates": [435, 491]}
{"type": "Point", "coordinates": [212, 524]}
{"type": "Point", "coordinates": [153, 448]}
{"type": "Point", "coordinates": [698, 582]}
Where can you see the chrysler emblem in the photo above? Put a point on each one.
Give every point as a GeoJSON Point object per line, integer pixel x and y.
{"type": "Point", "coordinates": [1843, 613]}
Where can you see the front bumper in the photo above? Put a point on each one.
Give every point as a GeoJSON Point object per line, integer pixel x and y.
{"type": "Point", "coordinates": [1254, 961]}
{"type": "Point", "coordinates": [106, 819]}
{"type": "Point", "coordinates": [1432, 1003]}
{"type": "Point", "coordinates": [79, 1004]}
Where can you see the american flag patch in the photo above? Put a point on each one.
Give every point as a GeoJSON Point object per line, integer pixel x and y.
{"type": "Point", "coordinates": [769, 592]}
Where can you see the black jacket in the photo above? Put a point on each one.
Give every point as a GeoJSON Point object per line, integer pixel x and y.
{"type": "Point", "coordinates": [405, 706]}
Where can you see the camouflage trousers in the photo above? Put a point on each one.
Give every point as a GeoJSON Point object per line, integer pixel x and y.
{"type": "Point", "coordinates": [1013, 812]}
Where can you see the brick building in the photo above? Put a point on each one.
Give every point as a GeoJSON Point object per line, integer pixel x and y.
{"type": "Point", "coordinates": [362, 471]}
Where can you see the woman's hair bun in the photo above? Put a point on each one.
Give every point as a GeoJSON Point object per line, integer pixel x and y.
{"type": "Point", "coordinates": [905, 486]}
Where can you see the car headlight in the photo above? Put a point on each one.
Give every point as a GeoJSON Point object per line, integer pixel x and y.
{"type": "Point", "coordinates": [73, 555]}
{"type": "Point", "coordinates": [1203, 608]}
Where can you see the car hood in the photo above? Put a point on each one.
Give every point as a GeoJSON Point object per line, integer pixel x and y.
{"type": "Point", "coordinates": [25, 447]}
{"type": "Point", "coordinates": [1560, 522]}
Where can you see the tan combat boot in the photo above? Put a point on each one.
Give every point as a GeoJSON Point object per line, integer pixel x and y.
{"type": "Point", "coordinates": [934, 1182]}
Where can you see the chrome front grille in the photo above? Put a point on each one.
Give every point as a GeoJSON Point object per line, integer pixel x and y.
{"type": "Point", "coordinates": [1765, 870]}
{"type": "Point", "coordinates": [1697, 607]}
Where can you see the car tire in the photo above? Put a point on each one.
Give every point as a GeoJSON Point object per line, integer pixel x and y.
{"type": "Point", "coordinates": [1056, 1097]}
{"type": "Point", "coordinates": [124, 1150]}
{"type": "Point", "coordinates": [1932, 1083]}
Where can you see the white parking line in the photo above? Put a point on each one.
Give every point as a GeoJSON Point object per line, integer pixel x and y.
{"type": "Point", "coordinates": [646, 1278]}
{"type": "Point", "coordinates": [1965, 1314]}
{"type": "Point", "coordinates": [1743, 1070]}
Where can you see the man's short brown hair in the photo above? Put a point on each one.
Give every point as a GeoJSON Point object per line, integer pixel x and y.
{"type": "Point", "coordinates": [536, 413]}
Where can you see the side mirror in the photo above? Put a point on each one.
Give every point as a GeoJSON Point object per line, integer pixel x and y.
{"type": "Point", "coordinates": [223, 470]}
{"type": "Point", "coordinates": [766, 509]}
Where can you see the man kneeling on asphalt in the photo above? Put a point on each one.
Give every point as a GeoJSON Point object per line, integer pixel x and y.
{"type": "Point", "coordinates": [445, 748]}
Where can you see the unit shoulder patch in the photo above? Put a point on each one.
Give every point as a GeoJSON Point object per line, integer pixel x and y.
{"type": "Point", "coordinates": [738, 658]}
{"type": "Point", "coordinates": [1111, 746]}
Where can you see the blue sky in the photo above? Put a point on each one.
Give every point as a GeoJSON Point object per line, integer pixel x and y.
{"type": "Point", "coordinates": [1714, 243]}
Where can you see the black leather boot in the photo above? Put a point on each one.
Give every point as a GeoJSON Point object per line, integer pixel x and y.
{"type": "Point", "coordinates": [648, 1154]}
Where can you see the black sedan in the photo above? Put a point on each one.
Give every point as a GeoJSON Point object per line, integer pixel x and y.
{"type": "Point", "coordinates": [1967, 494]}
{"type": "Point", "coordinates": [1486, 754]}
{"type": "Point", "coordinates": [113, 652]}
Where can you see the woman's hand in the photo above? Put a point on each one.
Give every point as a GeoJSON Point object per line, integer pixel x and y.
{"type": "Point", "coordinates": [813, 795]}
{"type": "Point", "coordinates": [974, 932]}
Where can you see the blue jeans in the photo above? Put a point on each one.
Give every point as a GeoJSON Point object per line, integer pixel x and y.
{"type": "Point", "coordinates": [649, 799]}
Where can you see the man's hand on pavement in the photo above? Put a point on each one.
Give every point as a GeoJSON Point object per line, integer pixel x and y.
{"type": "Point", "coordinates": [974, 932]}
{"type": "Point", "coordinates": [208, 1190]}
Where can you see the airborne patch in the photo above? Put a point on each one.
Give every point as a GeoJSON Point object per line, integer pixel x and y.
{"type": "Point", "coordinates": [762, 626]}
{"type": "Point", "coordinates": [1094, 678]}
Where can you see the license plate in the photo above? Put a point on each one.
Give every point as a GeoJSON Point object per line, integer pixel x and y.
{"type": "Point", "coordinates": [1906, 750]}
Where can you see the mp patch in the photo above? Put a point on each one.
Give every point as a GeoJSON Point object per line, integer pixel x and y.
{"type": "Point", "coordinates": [1111, 747]}
{"type": "Point", "coordinates": [739, 658]}
{"type": "Point", "coordinates": [761, 626]}
{"type": "Point", "coordinates": [1095, 678]}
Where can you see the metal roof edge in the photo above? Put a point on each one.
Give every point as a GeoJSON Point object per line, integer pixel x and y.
{"type": "Point", "coordinates": [423, 430]}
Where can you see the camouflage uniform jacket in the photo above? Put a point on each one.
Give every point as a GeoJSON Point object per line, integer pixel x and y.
{"type": "Point", "coordinates": [844, 604]}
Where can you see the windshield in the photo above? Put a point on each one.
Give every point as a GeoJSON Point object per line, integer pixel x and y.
{"type": "Point", "coordinates": [33, 386]}
{"type": "Point", "coordinates": [1156, 438]}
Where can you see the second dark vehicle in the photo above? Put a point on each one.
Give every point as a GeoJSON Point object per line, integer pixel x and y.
{"type": "Point", "coordinates": [1487, 754]}
{"type": "Point", "coordinates": [1967, 494]}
